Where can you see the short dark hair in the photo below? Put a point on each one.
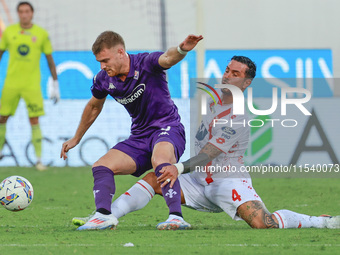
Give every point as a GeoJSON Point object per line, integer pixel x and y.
{"type": "Point", "coordinates": [107, 39]}
{"type": "Point", "coordinates": [251, 70]}
{"type": "Point", "coordinates": [25, 3]}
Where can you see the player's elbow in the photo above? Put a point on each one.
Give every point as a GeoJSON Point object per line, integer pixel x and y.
{"type": "Point", "coordinates": [169, 59]}
{"type": "Point", "coordinates": [94, 106]}
{"type": "Point", "coordinates": [166, 62]}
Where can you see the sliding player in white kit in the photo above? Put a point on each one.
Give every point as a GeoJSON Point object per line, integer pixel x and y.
{"type": "Point", "coordinates": [227, 189]}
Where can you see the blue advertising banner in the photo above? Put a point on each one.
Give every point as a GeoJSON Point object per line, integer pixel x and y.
{"type": "Point", "coordinates": [309, 69]}
{"type": "Point", "coordinates": [278, 68]}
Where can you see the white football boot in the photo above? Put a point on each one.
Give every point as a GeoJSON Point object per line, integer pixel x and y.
{"type": "Point", "coordinates": [331, 221]}
{"type": "Point", "coordinates": [100, 221]}
{"type": "Point", "coordinates": [79, 221]}
{"type": "Point", "coordinates": [174, 223]}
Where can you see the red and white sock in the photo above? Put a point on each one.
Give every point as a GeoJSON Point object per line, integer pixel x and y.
{"type": "Point", "coordinates": [289, 219]}
{"type": "Point", "coordinates": [136, 198]}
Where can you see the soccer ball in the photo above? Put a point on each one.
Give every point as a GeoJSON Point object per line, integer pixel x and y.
{"type": "Point", "coordinates": [16, 193]}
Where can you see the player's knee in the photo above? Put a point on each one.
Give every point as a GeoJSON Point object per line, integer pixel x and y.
{"type": "Point", "coordinates": [34, 121]}
{"type": "Point", "coordinates": [163, 153]}
{"type": "Point", "coordinates": [100, 163]}
{"type": "Point", "coordinates": [151, 179]}
{"type": "Point", "coordinates": [3, 119]}
{"type": "Point", "coordinates": [158, 160]}
{"type": "Point", "coordinates": [95, 164]}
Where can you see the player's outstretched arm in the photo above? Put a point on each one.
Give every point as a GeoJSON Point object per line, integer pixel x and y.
{"type": "Point", "coordinates": [207, 154]}
{"type": "Point", "coordinates": [175, 54]}
{"type": "Point", "coordinates": [90, 113]}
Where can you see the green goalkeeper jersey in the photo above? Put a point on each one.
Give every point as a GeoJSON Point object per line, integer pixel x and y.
{"type": "Point", "coordinates": [25, 47]}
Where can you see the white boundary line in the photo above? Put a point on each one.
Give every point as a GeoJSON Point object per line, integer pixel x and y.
{"type": "Point", "coordinates": [160, 245]}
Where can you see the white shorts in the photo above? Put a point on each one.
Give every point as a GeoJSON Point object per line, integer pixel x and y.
{"type": "Point", "coordinates": [225, 194]}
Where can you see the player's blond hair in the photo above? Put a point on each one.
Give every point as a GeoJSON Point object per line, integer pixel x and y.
{"type": "Point", "coordinates": [107, 39]}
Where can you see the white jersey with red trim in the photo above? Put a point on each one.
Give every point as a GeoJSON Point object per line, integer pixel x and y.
{"type": "Point", "coordinates": [230, 134]}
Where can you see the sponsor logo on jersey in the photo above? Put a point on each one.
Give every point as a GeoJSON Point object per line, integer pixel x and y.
{"type": "Point", "coordinates": [136, 75]}
{"type": "Point", "coordinates": [136, 93]}
{"type": "Point", "coordinates": [166, 129]}
{"type": "Point", "coordinates": [23, 49]}
{"type": "Point", "coordinates": [226, 136]}
{"type": "Point", "coordinates": [163, 133]}
{"type": "Point", "coordinates": [228, 130]}
{"type": "Point", "coordinates": [111, 86]}
{"type": "Point", "coordinates": [220, 140]}
{"type": "Point", "coordinates": [25, 32]}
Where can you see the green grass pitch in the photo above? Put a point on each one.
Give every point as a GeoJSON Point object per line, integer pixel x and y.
{"type": "Point", "coordinates": [63, 193]}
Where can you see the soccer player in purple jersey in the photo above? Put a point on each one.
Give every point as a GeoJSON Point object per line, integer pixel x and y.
{"type": "Point", "coordinates": [220, 190]}
{"type": "Point", "coordinates": [157, 137]}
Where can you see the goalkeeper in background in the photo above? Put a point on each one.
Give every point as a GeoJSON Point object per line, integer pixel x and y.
{"type": "Point", "coordinates": [25, 42]}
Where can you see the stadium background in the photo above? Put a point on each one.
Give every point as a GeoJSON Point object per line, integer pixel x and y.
{"type": "Point", "coordinates": [290, 39]}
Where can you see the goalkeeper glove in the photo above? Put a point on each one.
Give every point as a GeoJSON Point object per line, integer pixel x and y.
{"type": "Point", "coordinates": [54, 91]}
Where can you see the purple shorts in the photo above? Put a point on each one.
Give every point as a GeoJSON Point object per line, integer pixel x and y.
{"type": "Point", "coordinates": [140, 149]}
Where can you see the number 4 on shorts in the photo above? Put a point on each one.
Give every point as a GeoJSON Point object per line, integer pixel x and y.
{"type": "Point", "coordinates": [235, 195]}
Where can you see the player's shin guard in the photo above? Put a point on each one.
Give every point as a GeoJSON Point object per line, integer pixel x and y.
{"type": "Point", "coordinates": [37, 140]}
{"type": "Point", "coordinates": [136, 198]}
{"type": "Point", "coordinates": [104, 188]}
{"type": "Point", "coordinates": [289, 219]}
{"type": "Point", "coordinates": [172, 196]}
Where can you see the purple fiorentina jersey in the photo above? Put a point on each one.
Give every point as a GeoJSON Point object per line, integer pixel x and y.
{"type": "Point", "coordinates": [144, 94]}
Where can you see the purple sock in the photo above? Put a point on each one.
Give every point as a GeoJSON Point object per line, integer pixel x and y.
{"type": "Point", "coordinates": [104, 188]}
{"type": "Point", "coordinates": [172, 196]}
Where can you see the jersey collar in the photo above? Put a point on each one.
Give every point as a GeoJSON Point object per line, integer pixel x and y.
{"type": "Point", "coordinates": [132, 66]}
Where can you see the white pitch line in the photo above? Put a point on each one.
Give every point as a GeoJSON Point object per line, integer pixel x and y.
{"type": "Point", "coordinates": [224, 245]}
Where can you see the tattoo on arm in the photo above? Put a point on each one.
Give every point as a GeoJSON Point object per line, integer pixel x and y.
{"type": "Point", "coordinates": [208, 153]}
{"type": "Point", "coordinates": [211, 151]}
{"type": "Point", "coordinates": [201, 159]}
